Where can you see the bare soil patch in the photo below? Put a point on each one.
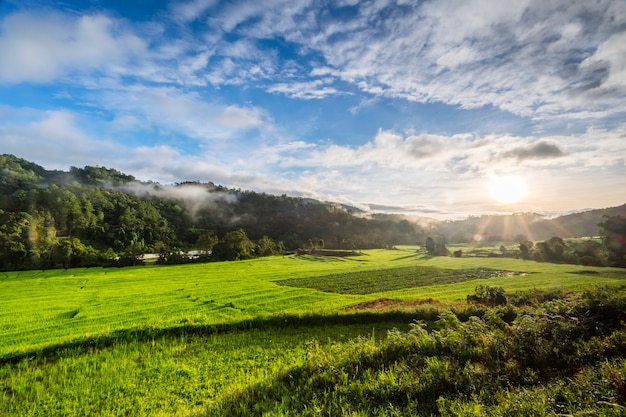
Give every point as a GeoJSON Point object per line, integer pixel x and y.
{"type": "Point", "coordinates": [383, 304]}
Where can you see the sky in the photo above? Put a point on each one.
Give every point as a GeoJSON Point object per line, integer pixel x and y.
{"type": "Point", "coordinates": [437, 108]}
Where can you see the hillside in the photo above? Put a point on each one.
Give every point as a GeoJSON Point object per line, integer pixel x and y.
{"type": "Point", "coordinates": [93, 215]}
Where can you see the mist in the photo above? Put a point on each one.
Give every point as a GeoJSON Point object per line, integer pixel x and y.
{"type": "Point", "coordinates": [192, 196]}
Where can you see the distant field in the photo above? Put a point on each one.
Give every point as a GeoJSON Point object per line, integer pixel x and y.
{"type": "Point", "coordinates": [383, 280]}
{"type": "Point", "coordinates": [71, 339]}
{"type": "Point", "coordinates": [51, 307]}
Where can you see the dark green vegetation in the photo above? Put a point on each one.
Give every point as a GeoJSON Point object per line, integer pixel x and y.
{"type": "Point", "coordinates": [223, 338]}
{"type": "Point", "coordinates": [392, 279]}
{"type": "Point", "coordinates": [97, 216]}
{"type": "Point", "coordinates": [565, 355]}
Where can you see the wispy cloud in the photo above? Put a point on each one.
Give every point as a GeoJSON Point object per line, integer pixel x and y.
{"type": "Point", "coordinates": [208, 90]}
{"type": "Point", "coordinates": [316, 89]}
{"type": "Point", "coordinates": [54, 138]}
{"type": "Point", "coordinates": [172, 109]}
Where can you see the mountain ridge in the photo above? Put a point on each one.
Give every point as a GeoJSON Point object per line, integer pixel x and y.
{"type": "Point", "coordinates": [18, 173]}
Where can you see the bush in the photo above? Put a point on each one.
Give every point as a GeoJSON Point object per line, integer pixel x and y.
{"type": "Point", "coordinates": [489, 296]}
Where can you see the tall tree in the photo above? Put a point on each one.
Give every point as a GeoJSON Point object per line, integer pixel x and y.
{"type": "Point", "coordinates": [234, 246]}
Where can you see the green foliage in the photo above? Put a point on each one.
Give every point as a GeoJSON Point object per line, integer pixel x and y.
{"type": "Point", "coordinates": [234, 246]}
{"type": "Point", "coordinates": [267, 247]}
{"type": "Point", "coordinates": [13, 234]}
{"type": "Point", "coordinates": [490, 296]}
{"type": "Point", "coordinates": [436, 247]}
{"type": "Point", "coordinates": [613, 230]}
{"type": "Point", "coordinates": [207, 241]}
{"type": "Point", "coordinates": [541, 364]}
{"type": "Point", "coordinates": [100, 176]}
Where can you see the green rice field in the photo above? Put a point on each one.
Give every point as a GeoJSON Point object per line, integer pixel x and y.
{"type": "Point", "coordinates": [175, 340]}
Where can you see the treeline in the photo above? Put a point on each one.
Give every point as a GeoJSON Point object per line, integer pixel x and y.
{"type": "Point", "coordinates": [98, 216]}
{"type": "Point", "coordinates": [608, 250]}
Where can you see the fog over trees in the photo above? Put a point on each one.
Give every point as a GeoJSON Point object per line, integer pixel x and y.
{"type": "Point", "coordinates": [99, 216]}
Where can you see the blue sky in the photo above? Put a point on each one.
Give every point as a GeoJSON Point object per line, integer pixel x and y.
{"type": "Point", "coordinates": [423, 107]}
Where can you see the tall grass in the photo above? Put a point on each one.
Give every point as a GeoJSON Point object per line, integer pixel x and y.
{"type": "Point", "coordinates": [563, 358]}
{"type": "Point", "coordinates": [164, 375]}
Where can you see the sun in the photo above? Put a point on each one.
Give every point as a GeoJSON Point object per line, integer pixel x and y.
{"type": "Point", "coordinates": [507, 188]}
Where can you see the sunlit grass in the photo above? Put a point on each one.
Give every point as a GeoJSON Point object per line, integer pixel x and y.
{"type": "Point", "coordinates": [174, 340]}
{"type": "Point", "coordinates": [45, 307]}
{"type": "Point", "coordinates": [163, 376]}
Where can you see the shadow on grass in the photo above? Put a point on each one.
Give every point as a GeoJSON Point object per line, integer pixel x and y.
{"type": "Point", "coordinates": [418, 255]}
{"type": "Point", "coordinates": [313, 258]}
{"type": "Point", "coordinates": [76, 346]}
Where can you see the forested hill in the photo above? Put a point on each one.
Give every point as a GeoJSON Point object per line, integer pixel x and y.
{"type": "Point", "coordinates": [93, 215]}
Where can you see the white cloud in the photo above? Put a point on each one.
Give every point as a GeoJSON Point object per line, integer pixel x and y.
{"type": "Point", "coordinates": [55, 139]}
{"type": "Point", "coordinates": [524, 57]}
{"type": "Point", "coordinates": [42, 47]}
{"type": "Point", "coordinates": [613, 53]}
{"type": "Point", "coordinates": [315, 89]}
{"type": "Point", "coordinates": [185, 113]}
{"type": "Point", "coordinates": [236, 117]}
{"type": "Point", "coordinates": [187, 11]}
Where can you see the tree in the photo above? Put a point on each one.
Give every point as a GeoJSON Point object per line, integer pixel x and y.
{"type": "Point", "coordinates": [436, 247]}
{"type": "Point", "coordinates": [524, 248]}
{"type": "Point", "coordinates": [207, 241]}
{"type": "Point", "coordinates": [429, 245]}
{"type": "Point", "coordinates": [613, 232]}
{"type": "Point", "coordinates": [267, 247]}
{"type": "Point", "coordinates": [13, 240]}
{"type": "Point", "coordinates": [234, 246]}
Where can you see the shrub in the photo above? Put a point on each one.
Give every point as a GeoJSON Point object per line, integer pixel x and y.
{"type": "Point", "coordinates": [489, 296]}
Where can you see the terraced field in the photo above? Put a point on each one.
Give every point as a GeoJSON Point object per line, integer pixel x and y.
{"type": "Point", "coordinates": [91, 341]}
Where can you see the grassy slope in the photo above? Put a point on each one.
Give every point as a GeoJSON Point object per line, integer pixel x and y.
{"type": "Point", "coordinates": [159, 369]}
{"type": "Point", "coordinates": [40, 308]}
{"type": "Point", "coordinates": [166, 376]}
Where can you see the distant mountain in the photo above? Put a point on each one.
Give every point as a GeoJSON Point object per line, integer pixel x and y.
{"type": "Point", "coordinates": [531, 226]}
{"type": "Point", "coordinates": [575, 225]}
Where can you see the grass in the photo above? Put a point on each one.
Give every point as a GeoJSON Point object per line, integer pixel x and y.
{"type": "Point", "coordinates": [178, 340]}
{"type": "Point", "coordinates": [44, 307]}
{"type": "Point", "coordinates": [167, 375]}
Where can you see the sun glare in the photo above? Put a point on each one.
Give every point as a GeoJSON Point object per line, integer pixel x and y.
{"type": "Point", "coordinates": [507, 188]}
